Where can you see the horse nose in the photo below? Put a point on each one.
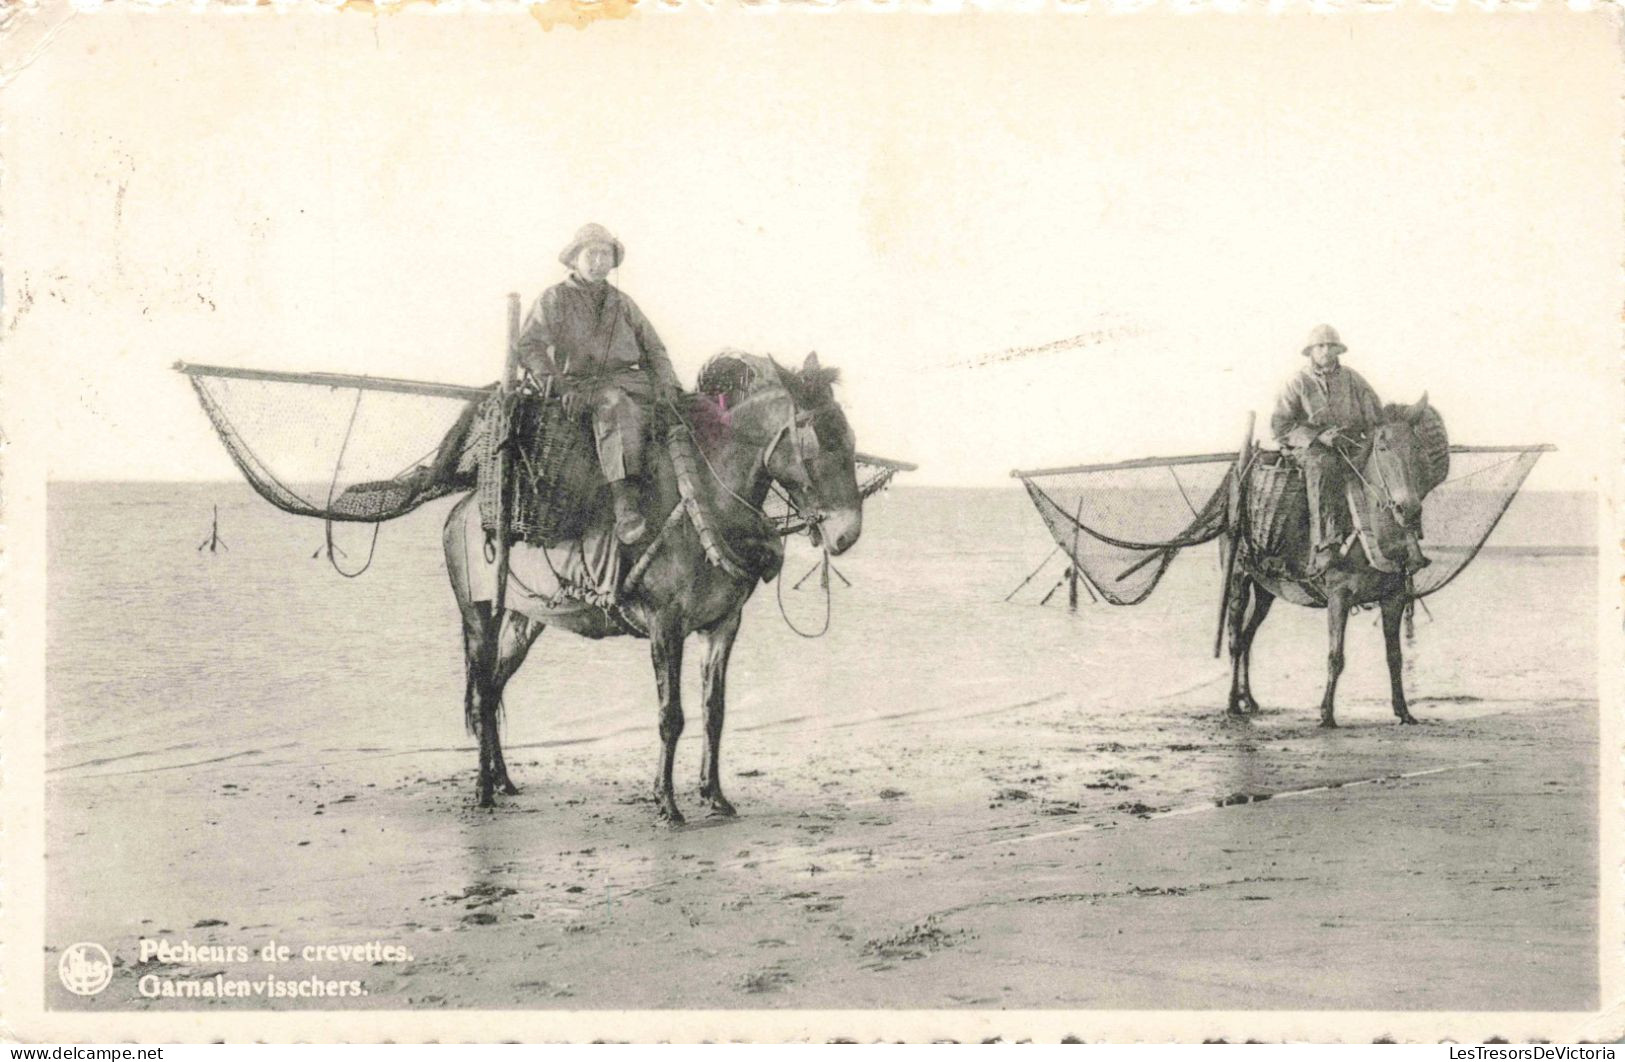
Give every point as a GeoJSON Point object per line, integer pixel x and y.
{"type": "Point", "coordinates": [842, 529]}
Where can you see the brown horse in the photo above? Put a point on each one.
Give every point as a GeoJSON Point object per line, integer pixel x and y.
{"type": "Point", "coordinates": [766, 425]}
{"type": "Point", "coordinates": [1397, 469]}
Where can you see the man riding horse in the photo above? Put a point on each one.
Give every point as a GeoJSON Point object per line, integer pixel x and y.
{"type": "Point", "coordinates": [1322, 417]}
{"type": "Point", "coordinates": [603, 357]}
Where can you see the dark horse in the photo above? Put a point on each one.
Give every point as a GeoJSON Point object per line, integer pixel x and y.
{"type": "Point", "coordinates": [1397, 469]}
{"type": "Point", "coordinates": [771, 425]}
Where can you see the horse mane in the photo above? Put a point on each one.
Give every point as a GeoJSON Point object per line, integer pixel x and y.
{"type": "Point", "coordinates": [736, 374]}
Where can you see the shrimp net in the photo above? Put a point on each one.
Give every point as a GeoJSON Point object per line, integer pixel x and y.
{"type": "Point", "coordinates": [335, 447]}
{"type": "Point", "coordinates": [367, 449]}
{"type": "Point", "coordinates": [1123, 524]}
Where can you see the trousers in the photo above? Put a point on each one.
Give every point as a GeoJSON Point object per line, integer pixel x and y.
{"type": "Point", "coordinates": [619, 406]}
{"type": "Point", "coordinates": [1328, 508]}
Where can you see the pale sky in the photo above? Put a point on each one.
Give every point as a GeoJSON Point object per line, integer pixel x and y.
{"type": "Point", "coordinates": [902, 193]}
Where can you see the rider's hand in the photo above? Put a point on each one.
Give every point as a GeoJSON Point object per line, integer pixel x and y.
{"type": "Point", "coordinates": [574, 402]}
{"type": "Point", "coordinates": [1326, 437]}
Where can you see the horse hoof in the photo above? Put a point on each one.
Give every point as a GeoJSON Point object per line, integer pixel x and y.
{"type": "Point", "coordinates": [1407, 720]}
{"type": "Point", "coordinates": [486, 800]}
{"type": "Point", "coordinates": [720, 808]}
{"type": "Point", "coordinates": [1328, 723]}
{"type": "Point", "coordinates": [509, 789]}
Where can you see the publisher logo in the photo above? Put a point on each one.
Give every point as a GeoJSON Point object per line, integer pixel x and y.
{"type": "Point", "coordinates": [85, 969]}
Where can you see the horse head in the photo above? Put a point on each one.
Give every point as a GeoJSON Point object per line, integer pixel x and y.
{"type": "Point", "coordinates": [814, 457]}
{"type": "Point", "coordinates": [807, 445]}
{"type": "Point", "coordinates": [1408, 456]}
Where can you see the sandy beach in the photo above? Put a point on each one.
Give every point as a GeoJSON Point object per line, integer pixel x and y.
{"type": "Point", "coordinates": [854, 881]}
{"type": "Point", "coordinates": [947, 803]}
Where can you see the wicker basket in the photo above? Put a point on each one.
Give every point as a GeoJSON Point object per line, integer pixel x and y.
{"type": "Point", "coordinates": [552, 470]}
{"type": "Point", "coordinates": [1276, 501]}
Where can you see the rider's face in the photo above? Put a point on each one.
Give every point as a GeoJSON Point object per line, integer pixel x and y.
{"type": "Point", "coordinates": [595, 261]}
{"type": "Point", "coordinates": [1324, 355]}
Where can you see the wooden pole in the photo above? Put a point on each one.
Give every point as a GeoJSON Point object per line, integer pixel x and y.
{"type": "Point", "coordinates": [1072, 572]}
{"type": "Point", "coordinates": [214, 541]}
{"type": "Point", "coordinates": [499, 598]}
{"type": "Point", "coordinates": [1232, 538]}
{"type": "Point", "coordinates": [336, 379]}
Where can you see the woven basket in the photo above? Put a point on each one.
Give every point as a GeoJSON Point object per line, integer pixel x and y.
{"type": "Point", "coordinates": [552, 470]}
{"type": "Point", "coordinates": [1276, 501]}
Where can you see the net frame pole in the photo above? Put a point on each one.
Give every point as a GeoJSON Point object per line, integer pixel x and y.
{"type": "Point", "coordinates": [335, 379]}
{"type": "Point", "coordinates": [499, 597]}
{"type": "Point", "coordinates": [1233, 538]}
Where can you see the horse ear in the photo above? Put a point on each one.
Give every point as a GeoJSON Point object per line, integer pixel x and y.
{"type": "Point", "coordinates": [810, 366]}
{"type": "Point", "coordinates": [787, 379]}
{"type": "Point", "coordinates": [1414, 414]}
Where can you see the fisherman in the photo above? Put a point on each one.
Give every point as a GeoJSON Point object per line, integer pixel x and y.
{"type": "Point", "coordinates": [604, 358]}
{"type": "Point", "coordinates": [1322, 417]}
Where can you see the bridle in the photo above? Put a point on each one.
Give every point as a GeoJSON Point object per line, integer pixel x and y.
{"type": "Point", "coordinates": [1381, 488]}
{"type": "Point", "coordinates": [800, 429]}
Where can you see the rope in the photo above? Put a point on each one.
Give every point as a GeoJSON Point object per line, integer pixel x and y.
{"type": "Point", "coordinates": [338, 465]}
{"type": "Point", "coordinates": [823, 581]}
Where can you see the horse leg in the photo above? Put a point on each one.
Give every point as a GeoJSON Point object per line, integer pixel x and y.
{"type": "Point", "coordinates": [714, 676]}
{"type": "Point", "coordinates": [480, 697]}
{"type": "Point", "coordinates": [1337, 619]}
{"type": "Point", "coordinates": [1262, 602]}
{"type": "Point", "coordinates": [519, 633]}
{"type": "Point", "coordinates": [1393, 615]}
{"type": "Point", "coordinates": [486, 678]}
{"type": "Point", "coordinates": [666, 649]}
{"type": "Point", "coordinates": [1241, 587]}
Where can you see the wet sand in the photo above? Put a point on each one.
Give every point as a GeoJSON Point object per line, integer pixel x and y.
{"type": "Point", "coordinates": [990, 858]}
{"type": "Point", "coordinates": [948, 802]}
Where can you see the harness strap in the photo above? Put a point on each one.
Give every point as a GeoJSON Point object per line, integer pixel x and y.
{"type": "Point", "coordinates": [682, 460]}
{"type": "Point", "coordinates": [635, 576]}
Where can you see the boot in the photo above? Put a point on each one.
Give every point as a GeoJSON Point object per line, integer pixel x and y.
{"type": "Point", "coordinates": [629, 525]}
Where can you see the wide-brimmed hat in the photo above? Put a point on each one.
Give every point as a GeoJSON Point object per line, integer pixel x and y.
{"type": "Point", "coordinates": [1323, 334]}
{"type": "Point", "coordinates": [590, 233]}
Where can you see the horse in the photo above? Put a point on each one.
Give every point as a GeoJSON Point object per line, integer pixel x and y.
{"type": "Point", "coordinates": [1400, 464]}
{"type": "Point", "coordinates": [766, 425]}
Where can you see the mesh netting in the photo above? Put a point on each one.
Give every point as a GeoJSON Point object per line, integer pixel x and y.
{"type": "Point", "coordinates": [335, 450]}
{"type": "Point", "coordinates": [364, 449]}
{"type": "Point", "coordinates": [1122, 525]}
{"type": "Point", "coordinates": [1461, 512]}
